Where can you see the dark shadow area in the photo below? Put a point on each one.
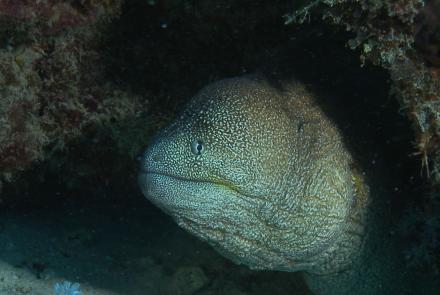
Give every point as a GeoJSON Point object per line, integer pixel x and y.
{"type": "Point", "coordinates": [176, 47]}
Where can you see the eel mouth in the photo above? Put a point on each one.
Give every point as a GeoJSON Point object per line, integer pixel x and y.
{"type": "Point", "coordinates": [185, 198]}
{"type": "Point", "coordinates": [217, 181]}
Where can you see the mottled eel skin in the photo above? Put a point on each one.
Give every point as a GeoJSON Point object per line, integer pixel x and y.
{"type": "Point", "coordinates": [262, 174]}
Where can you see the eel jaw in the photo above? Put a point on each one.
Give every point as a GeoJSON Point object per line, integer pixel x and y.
{"type": "Point", "coordinates": [178, 195]}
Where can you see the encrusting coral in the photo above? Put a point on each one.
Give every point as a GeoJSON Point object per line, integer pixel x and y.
{"type": "Point", "coordinates": [385, 32]}
{"type": "Point", "coordinates": [53, 84]}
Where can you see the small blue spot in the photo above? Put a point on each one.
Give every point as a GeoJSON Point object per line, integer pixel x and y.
{"type": "Point", "coordinates": [164, 24]}
{"type": "Point", "coordinates": [67, 288]}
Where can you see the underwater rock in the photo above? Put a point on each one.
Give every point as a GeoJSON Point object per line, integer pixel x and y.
{"type": "Point", "coordinates": [428, 34]}
{"type": "Point", "coordinates": [52, 77]}
{"type": "Point", "coordinates": [385, 33]}
{"type": "Point", "coordinates": [51, 16]}
{"type": "Point", "coordinates": [22, 137]}
{"type": "Point", "coordinates": [185, 281]}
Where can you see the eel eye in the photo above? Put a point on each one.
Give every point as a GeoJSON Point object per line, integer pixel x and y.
{"type": "Point", "coordinates": [197, 147]}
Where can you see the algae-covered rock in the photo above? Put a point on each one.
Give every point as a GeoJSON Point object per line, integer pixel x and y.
{"type": "Point", "coordinates": [52, 78]}
{"type": "Point", "coordinates": [185, 281]}
{"type": "Point", "coordinates": [22, 137]}
{"type": "Point", "coordinates": [384, 34]}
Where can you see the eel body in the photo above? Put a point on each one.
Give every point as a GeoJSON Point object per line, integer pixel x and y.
{"type": "Point", "coordinates": [259, 171]}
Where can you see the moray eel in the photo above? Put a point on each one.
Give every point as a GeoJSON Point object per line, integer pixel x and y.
{"type": "Point", "coordinates": [260, 172]}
